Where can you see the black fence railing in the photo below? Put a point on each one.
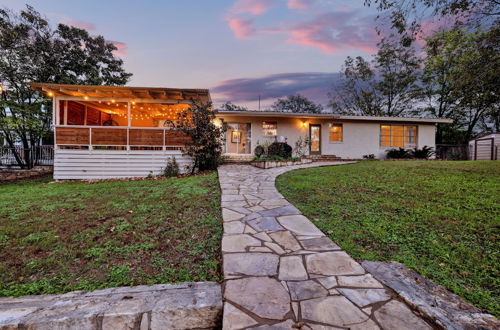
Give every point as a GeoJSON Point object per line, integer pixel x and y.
{"type": "Point", "coordinates": [451, 152]}
{"type": "Point", "coordinates": [42, 155]}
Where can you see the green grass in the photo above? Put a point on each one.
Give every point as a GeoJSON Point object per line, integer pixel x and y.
{"type": "Point", "coordinates": [60, 237]}
{"type": "Point", "coordinates": [440, 218]}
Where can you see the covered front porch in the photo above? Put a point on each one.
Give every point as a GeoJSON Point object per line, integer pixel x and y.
{"type": "Point", "coordinates": [117, 131]}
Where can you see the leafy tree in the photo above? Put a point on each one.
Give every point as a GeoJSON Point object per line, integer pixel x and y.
{"type": "Point", "coordinates": [476, 82]}
{"type": "Point", "coordinates": [205, 138]}
{"type": "Point", "coordinates": [296, 103]}
{"type": "Point", "coordinates": [461, 81]}
{"type": "Point", "coordinates": [386, 86]}
{"type": "Point", "coordinates": [228, 106]}
{"type": "Point", "coordinates": [31, 50]}
{"type": "Point", "coordinates": [407, 16]}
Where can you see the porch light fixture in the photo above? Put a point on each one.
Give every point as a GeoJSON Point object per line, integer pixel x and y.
{"type": "Point", "coordinates": [304, 123]}
{"type": "Point", "coordinates": [50, 94]}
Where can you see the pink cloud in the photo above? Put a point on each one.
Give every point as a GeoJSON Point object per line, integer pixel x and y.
{"type": "Point", "coordinates": [254, 7]}
{"type": "Point", "coordinates": [242, 28]}
{"type": "Point", "coordinates": [121, 48]}
{"type": "Point", "coordinates": [334, 32]}
{"type": "Point", "coordinates": [300, 4]}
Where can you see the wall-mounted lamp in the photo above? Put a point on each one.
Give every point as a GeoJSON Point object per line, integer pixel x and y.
{"type": "Point", "coordinates": [304, 123]}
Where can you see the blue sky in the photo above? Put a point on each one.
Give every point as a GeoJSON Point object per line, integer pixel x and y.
{"type": "Point", "coordinates": [239, 49]}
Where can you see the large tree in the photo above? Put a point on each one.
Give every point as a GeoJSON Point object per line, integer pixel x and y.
{"type": "Point", "coordinates": [385, 86]}
{"type": "Point", "coordinates": [296, 103]}
{"type": "Point", "coordinates": [409, 17]}
{"type": "Point", "coordinates": [462, 81]}
{"type": "Point", "coordinates": [32, 50]}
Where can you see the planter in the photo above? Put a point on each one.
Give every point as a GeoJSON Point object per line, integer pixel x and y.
{"type": "Point", "coordinates": [279, 163]}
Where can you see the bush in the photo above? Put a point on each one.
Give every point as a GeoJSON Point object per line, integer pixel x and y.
{"type": "Point", "coordinates": [205, 138]}
{"type": "Point", "coordinates": [281, 149]}
{"type": "Point", "coordinates": [398, 153]}
{"type": "Point", "coordinates": [424, 153]}
{"type": "Point", "coordinates": [259, 151]}
{"type": "Point", "coordinates": [172, 168]}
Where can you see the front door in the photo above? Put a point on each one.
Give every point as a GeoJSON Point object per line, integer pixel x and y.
{"type": "Point", "coordinates": [315, 138]}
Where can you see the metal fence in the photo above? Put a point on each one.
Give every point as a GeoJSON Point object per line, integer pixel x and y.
{"type": "Point", "coordinates": [42, 155]}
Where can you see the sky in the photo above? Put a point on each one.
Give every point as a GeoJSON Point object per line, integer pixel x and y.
{"type": "Point", "coordinates": [239, 49]}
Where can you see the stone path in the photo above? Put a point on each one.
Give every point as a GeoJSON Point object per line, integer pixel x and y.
{"type": "Point", "coordinates": [282, 272]}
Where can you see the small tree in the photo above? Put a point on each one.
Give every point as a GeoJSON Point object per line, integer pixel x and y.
{"type": "Point", "coordinates": [296, 103]}
{"type": "Point", "coordinates": [205, 138]}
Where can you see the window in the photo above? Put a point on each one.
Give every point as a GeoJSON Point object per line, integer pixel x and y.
{"type": "Point", "coordinates": [404, 136]}
{"type": "Point", "coordinates": [269, 128]}
{"type": "Point", "coordinates": [336, 133]}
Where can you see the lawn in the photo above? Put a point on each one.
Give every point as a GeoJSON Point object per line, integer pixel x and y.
{"type": "Point", "coordinates": [440, 218]}
{"type": "Point", "coordinates": [59, 237]}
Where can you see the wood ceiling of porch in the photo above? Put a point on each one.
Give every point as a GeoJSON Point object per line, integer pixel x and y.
{"type": "Point", "coordinates": [122, 92]}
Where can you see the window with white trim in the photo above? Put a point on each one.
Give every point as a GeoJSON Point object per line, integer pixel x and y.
{"type": "Point", "coordinates": [393, 135]}
{"type": "Point", "coordinates": [336, 133]}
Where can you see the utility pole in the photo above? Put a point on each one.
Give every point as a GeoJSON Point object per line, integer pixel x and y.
{"type": "Point", "coordinates": [259, 102]}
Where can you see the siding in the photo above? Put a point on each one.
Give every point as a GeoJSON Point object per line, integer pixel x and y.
{"type": "Point", "coordinates": [105, 164]}
{"type": "Point", "coordinates": [360, 138]}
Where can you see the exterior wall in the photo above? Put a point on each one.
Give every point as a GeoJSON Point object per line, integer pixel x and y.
{"type": "Point", "coordinates": [359, 138]}
{"type": "Point", "coordinates": [106, 164]}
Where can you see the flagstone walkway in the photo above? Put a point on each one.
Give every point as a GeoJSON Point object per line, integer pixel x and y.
{"type": "Point", "coordinates": [282, 272]}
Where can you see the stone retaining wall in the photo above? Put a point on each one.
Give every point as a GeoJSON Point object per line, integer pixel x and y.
{"type": "Point", "coordinates": [12, 175]}
{"type": "Point", "coordinates": [183, 306]}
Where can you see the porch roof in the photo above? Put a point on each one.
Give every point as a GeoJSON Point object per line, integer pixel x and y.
{"type": "Point", "coordinates": [332, 116]}
{"type": "Point", "coordinates": [121, 92]}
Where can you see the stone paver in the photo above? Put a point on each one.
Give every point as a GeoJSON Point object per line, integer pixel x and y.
{"type": "Point", "coordinates": [282, 272]}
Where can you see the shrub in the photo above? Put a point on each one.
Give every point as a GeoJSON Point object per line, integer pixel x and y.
{"type": "Point", "coordinates": [281, 149]}
{"type": "Point", "coordinates": [172, 168]}
{"type": "Point", "coordinates": [259, 151]}
{"type": "Point", "coordinates": [205, 138]}
{"type": "Point", "coordinates": [424, 153]}
{"type": "Point", "coordinates": [369, 156]}
{"type": "Point", "coordinates": [397, 153]}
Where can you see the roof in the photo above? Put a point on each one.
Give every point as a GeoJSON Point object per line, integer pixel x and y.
{"type": "Point", "coordinates": [121, 92]}
{"type": "Point", "coordinates": [486, 136]}
{"type": "Point", "coordinates": [333, 116]}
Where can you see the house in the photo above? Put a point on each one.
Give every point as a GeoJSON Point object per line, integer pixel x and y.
{"type": "Point", "coordinates": [120, 131]}
{"type": "Point", "coordinates": [346, 137]}
{"type": "Point", "coordinates": [484, 147]}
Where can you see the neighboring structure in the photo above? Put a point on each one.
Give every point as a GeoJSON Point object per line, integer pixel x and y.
{"type": "Point", "coordinates": [484, 147]}
{"type": "Point", "coordinates": [347, 137]}
{"type": "Point", "coordinates": [111, 132]}
{"type": "Point", "coordinates": [118, 131]}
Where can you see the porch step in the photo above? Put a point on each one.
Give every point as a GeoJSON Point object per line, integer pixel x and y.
{"type": "Point", "coordinates": [319, 158]}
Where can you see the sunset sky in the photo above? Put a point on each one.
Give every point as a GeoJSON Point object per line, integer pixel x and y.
{"type": "Point", "coordinates": [239, 49]}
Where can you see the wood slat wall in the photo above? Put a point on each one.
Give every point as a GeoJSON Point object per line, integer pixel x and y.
{"type": "Point", "coordinates": [104, 164]}
{"type": "Point", "coordinates": [176, 138]}
{"type": "Point", "coordinates": [109, 136]}
{"type": "Point", "coordinates": [146, 137]}
{"type": "Point", "coordinates": [70, 135]}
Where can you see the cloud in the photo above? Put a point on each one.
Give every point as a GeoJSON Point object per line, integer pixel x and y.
{"type": "Point", "coordinates": [300, 4]}
{"type": "Point", "coordinates": [121, 48]}
{"type": "Point", "coordinates": [254, 7]}
{"type": "Point", "coordinates": [336, 31]}
{"type": "Point", "coordinates": [314, 85]}
{"type": "Point", "coordinates": [67, 20]}
{"type": "Point", "coordinates": [242, 28]}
